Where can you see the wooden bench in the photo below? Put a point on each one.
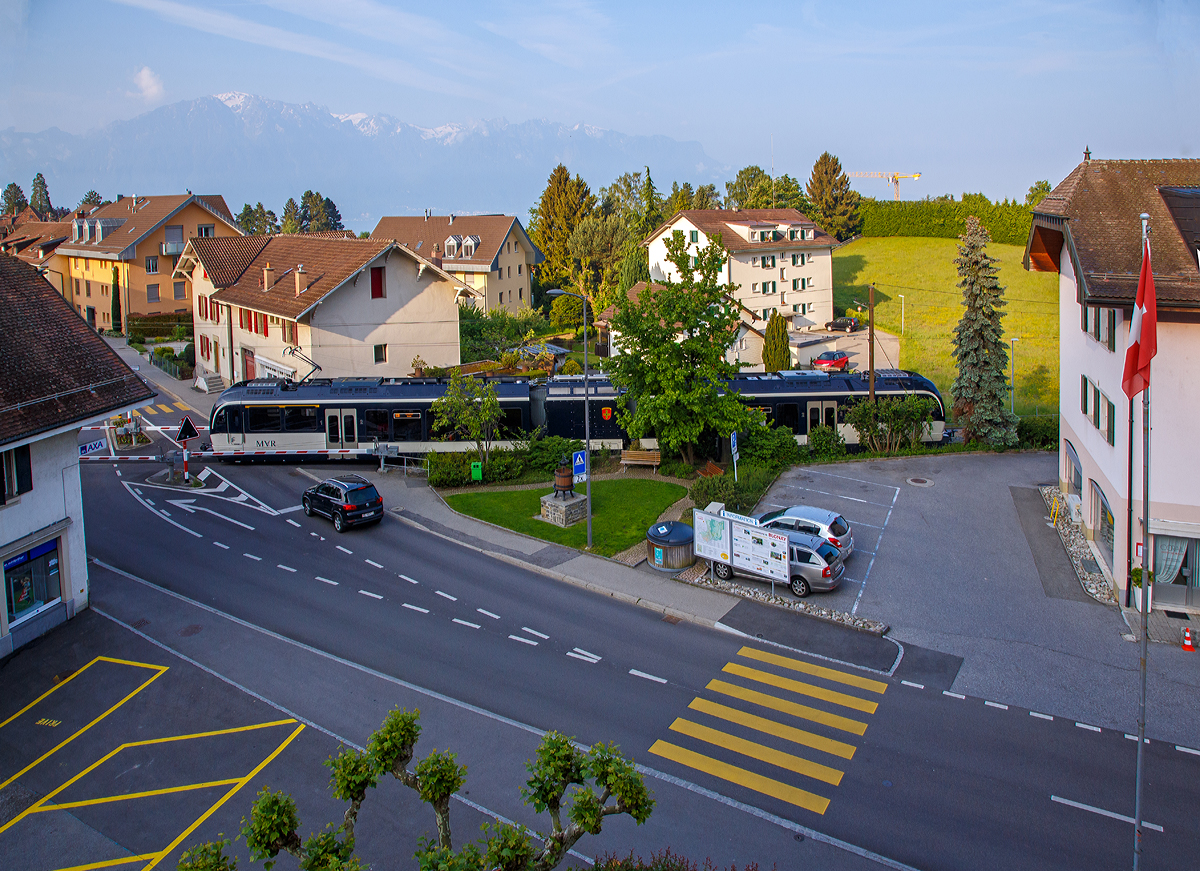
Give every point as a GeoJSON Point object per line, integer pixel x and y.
{"type": "Point", "coordinates": [641, 458]}
{"type": "Point", "coordinates": [710, 470]}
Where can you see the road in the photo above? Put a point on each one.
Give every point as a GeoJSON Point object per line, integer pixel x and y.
{"type": "Point", "coordinates": [924, 778]}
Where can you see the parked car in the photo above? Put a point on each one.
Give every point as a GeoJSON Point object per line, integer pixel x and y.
{"type": "Point", "coordinates": [347, 500]}
{"type": "Point", "coordinates": [813, 564]}
{"type": "Point", "coordinates": [832, 361]}
{"type": "Point", "coordinates": [848, 325]}
{"type": "Point", "coordinates": [821, 522]}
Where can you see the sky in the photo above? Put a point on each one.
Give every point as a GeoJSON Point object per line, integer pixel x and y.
{"type": "Point", "coordinates": [976, 96]}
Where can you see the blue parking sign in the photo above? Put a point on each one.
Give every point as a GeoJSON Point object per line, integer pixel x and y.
{"type": "Point", "coordinates": [580, 461]}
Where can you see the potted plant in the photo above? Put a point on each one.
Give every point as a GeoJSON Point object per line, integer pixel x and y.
{"type": "Point", "coordinates": [418, 366]}
{"type": "Point", "coordinates": [1135, 579]}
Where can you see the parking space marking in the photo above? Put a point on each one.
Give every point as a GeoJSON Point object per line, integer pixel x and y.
{"type": "Point", "coordinates": [878, 541]}
{"type": "Point", "coordinates": [159, 671]}
{"type": "Point", "coordinates": [109, 799]}
{"type": "Point", "coordinates": [834, 495]}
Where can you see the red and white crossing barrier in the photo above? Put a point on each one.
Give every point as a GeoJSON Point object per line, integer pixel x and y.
{"type": "Point", "coordinates": [219, 454]}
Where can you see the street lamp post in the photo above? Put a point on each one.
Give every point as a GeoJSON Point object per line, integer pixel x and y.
{"type": "Point", "coordinates": [587, 412]}
{"type": "Point", "coordinates": [901, 313]}
{"type": "Point", "coordinates": [1012, 370]}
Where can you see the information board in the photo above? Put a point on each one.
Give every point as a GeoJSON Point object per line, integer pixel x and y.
{"type": "Point", "coordinates": [711, 536]}
{"type": "Point", "coordinates": [759, 551]}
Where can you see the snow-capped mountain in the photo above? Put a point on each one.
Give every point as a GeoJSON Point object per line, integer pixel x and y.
{"type": "Point", "coordinates": [252, 149]}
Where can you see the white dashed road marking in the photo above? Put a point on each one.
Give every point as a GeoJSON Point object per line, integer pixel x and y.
{"type": "Point", "coordinates": [523, 640]}
{"type": "Point", "coordinates": [952, 695]}
{"type": "Point", "coordinates": [327, 581]}
{"type": "Point", "coordinates": [1040, 716]}
{"type": "Point", "coordinates": [1089, 728]}
{"type": "Point", "coordinates": [908, 683]}
{"type": "Point", "coordinates": [488, 614]}
{"type": "Point", "coordinates": [465, 623]}
{"type": "Point", "coordinates": [636, 673]}
{"type": "Point", "coordinates": [372, 562]}
{"type": "Point", "coordinates": [344, 550]}
{"type": "Point", "coordinates": [149, 501]}
{"type": "Point", "coordinates": [1102, 812]}
{"type": "Point", "coordinates": [1182, 749]}
{"type": "Point", "coordinates": [996, 705]}
{"type": "Point", "coordinates": [222, 546]}
{"type": "Point", "coordinates": [541, 635]}
{"type": "Point", "coordinates": [285, 568]}
{"type": "Point", "coordinates": [1134, 738]}
{"type": "Point", "coordinates": [447, 596]}
{"type": "Point", "coordinates": [253, 557]}
{"type": "Point", "coordinates": [372, 595]}
{"type": "Point", "coordinates": [580, 653]}
{"type": "Point", "coordinates": [407, 578]}
{"type": "Point", "coordinates": [415, 608]}
{"type": "Point", "coordinates": [294, 523]}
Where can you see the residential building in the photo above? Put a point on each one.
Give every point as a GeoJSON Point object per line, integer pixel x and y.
{"type": "Point", "coordinates": [490, 253]}
{"type": "Point", "coordinates": [1088, 230]}
{"type": "Point", "coordinates": [36, 242]}
{"type": "Point", "coordinates": [55, 375]}
{"type": "Point", "coordinates": [778, 259]}
{"type": "Point", "coordinates": [10, 221]}
{"type": "Point", "coordinates": [141, 238]}
{"type": "Point", "coordinates": [356, 307]}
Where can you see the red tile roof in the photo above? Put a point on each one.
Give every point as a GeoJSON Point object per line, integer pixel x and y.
{"type": "Point", "coordinates": [421, 234]}
{"type": "Point", "coordinates": [55, 370]}
{"type": "Point", "coordinates": [36, 240]}
{"type": "Point", "coordinates": [131, 220]}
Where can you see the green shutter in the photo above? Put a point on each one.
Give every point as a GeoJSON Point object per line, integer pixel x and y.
{"type": "Point", "coordinates": [1083, 394]}
{"type": "Point", "coordinates": [1112, 424]}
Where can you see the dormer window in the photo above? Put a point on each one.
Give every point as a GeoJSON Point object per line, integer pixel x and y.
{"type": "Point", "coordinates": [453, 246]}
{"type": "Point", "coordinates": [754, 235]}
{"type": "Point", "coordinates": [470, 243]}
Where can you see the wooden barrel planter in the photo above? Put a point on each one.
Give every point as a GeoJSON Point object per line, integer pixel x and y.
{"type": "Point", "coordinates": [564, 481]}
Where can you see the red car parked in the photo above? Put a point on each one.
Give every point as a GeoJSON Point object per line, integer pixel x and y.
{"type": "Point", "coordinates": [832, 361]}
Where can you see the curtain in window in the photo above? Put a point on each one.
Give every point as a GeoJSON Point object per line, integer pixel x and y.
{"type": "Point", "coordinates": [1168, 557]}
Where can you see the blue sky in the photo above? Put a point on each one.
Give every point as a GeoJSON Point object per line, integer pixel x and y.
{"type": "Point", "coordinates": [976, 96]}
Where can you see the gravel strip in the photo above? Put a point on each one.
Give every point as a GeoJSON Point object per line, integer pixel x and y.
{"type": "Point", "coordinates": [1074, 542]}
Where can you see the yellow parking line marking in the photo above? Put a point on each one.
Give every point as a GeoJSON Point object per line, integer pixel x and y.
{"type": "Point", "coordinates": [770, 727]}
{"type": "Point", "coordinates": [740, 776]}
{"type": "Point", "coordinates": [161, 670]}
{"type": "Point", "coordinates": [182, 407]}
{"type": "Point", "coordinates": [241, 783]}
{"type": "Point", "coordinates": [165, 408]}
{"type": "Point", "coordinates": [52, 689]}
{"type": "Point", "coordinates": [804, 689]}
{"type": "Point", "coordinates": [854, 680]}
{"type": "Point", "coordinates": [786, 707]}
{"type": "Point", "coordinates": [107, 756]}
{"type": "Point", "coordinates": [111, 798]}
{"type": "Point", "coordinates": [761, 752]}
{"type": "Point", "coordinates": [112, 863]}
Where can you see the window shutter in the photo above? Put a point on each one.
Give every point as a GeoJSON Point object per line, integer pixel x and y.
{"type": "Point", "coordinates": [266, 327]}
{"type": "Point", "coordinates": [1083, 394]}
{"type": "Point", "coordinates": [1112, 329]}
{"type": "Point", "coordinates": [24, 469]}
{"type": "Point", "coordinates": [1096, 406]}
{"type": "Point", "coordinates": [241, 319]}
{"type": "Point", "coordinates": [377, 282]}
{"type": "Point", "coordinates": [1112, 424]}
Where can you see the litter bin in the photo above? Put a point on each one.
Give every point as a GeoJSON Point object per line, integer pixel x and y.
{"type": "Point", "coordinates": [477, 471]}
{"type": "Point", "coordinates": [669, 546]}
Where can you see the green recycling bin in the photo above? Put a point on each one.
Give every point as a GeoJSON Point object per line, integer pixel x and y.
{"type": "Point", "coordinates": [476, 471]}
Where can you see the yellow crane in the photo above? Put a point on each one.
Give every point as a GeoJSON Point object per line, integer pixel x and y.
{"type": "Point", "coordinates": [893, 178]}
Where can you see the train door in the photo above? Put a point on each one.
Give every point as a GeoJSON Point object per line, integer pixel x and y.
{"type": "Point", "coordinates": [349, 430]}
{"type": "Point", "coordinates": [822, 412]}
{"type": "Point", "coordinates": [333, 428]}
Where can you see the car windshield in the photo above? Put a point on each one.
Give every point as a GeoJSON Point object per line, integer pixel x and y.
{"type": "Point", "coordinates": [769, 516]}
{"type": "Point", "coordinates": [363, 495]}
{"type": "Point", "coordinates": [839, 526]}
{"type": "Point", "coordinates": [828, 552]}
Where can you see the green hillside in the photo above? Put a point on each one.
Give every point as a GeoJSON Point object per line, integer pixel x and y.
{"type": "Point", "coordinates": [923, 270]}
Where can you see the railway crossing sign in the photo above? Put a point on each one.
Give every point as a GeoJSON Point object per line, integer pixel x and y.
{"type": "Point", "coordinates": [187, 430]}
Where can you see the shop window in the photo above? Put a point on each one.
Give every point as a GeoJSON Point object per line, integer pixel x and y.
{"type": "Point", "coordinates": [31, 581]}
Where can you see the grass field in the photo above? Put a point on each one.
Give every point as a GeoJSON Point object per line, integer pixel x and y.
{"type": "Point", "coordinates": [622, 511]}
{"type": "Point", "coordinates": [922, 269]}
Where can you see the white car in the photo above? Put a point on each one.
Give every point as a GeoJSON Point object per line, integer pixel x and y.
{"type": "Point", "coordinates": [821, 522]}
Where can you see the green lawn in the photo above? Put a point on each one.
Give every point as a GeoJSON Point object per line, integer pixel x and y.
{"type": "Point", "coordinates": [923, 270]}
{"type": "Point", "coordinates": [622, 511]}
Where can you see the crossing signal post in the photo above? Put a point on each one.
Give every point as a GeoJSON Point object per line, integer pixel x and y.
{"type": "Point", "coordinates": [187, 430]}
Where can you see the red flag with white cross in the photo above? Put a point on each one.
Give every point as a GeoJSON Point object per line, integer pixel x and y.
{"type": "Point", "coordinates": [1143, 332]}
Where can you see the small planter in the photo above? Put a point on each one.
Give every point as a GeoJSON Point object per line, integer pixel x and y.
{"type": "Point", "coordinates": [1137, 596]}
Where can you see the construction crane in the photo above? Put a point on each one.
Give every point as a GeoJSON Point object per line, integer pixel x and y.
{"type": "Point", "coordinates": [893, 178]}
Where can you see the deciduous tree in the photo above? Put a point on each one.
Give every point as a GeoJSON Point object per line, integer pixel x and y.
{"type": "Point", "coordinates": [674, 340]}
{"type": "Point", "coordinates": [835, 204]}
{"type": "Point", "coordinates": [981, 387]}
{"type": "Point", "coordinates": [469, 409]}
{"type": "Point", "coordinates": [776, 353]}
{"type": "Point", "coordinates": [562, 206]}
{"type": "Point", "coordinates": [737, 192]}
{"type": "Point", "coordinates": [890, 423]}
{"type": "Point", "coordinates": [14, 198]}
{"type": "Point", "coordinates": [780, 193]}
{"type": "Point", "coordinates": [1037, 192]}
{"type": "Point", "coordinates": [39, 196]}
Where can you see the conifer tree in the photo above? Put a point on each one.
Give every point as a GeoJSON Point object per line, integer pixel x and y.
{"type": "Point", "coordinates": [39, 196]}
{"type": "Point", "coordinates": [333, 216]}
{"type": "Point", "coordinates": [116, 299]}
{"type": "Point", "coordinates": [291, 217]}
{"type": "Point", "coordinates": [14, 199]}
{"type": "Point", "coordinates": [91, 198]}
{"type": "Point", "coordinates": [776, 354]}
{"type": "Point", "coordinates": [562, 206]}
{"type": "Point", "coordinates": [835, 205]}
{"type": "Point", "coordinates": [982, 383]}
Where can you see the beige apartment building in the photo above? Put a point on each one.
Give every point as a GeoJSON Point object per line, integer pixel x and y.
{"type": "Point", "coordinates": [492, 254]}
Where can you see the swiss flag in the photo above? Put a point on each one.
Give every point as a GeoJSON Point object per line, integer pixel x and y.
{"type": "Point", "coordinates": [1143, 333]}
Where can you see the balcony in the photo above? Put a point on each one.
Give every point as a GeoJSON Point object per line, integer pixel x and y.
{"type": "Point", "coordinates": [171, 249]}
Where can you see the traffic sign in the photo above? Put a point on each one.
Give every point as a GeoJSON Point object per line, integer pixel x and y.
{"type": "Point", "coordinates": [580, 461]}
{"type": "Point", "coordinates": [92, 447]}
{"type": "Point", "coordinates": [579, 479]}
{"type": "Point", "coordinates": [187, 430]}
{"type": "Point", "coordinates": [733, 441]}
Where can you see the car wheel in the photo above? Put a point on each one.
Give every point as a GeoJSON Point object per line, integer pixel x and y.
{"type": "Point", "coordinates": [800, 587]}
{"type": "Point", "coordinates": [307, 506]}
{"type": "Point", "coordinates": [338, 523]}
{"type": "Point", "coordinates": [723, 571]}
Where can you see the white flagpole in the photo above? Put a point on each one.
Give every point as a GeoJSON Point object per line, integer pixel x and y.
{"type": "Point", "coordinates": [1141, 723]}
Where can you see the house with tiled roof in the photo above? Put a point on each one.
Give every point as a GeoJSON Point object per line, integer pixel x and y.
{"type": "Point", "coordinates": [490, 253]}
{"type": "Point", "coordinates": [56, 374]}
{"type": "Point", "coordinates": [1089, 231]}
{"type": "Point", "coordinates": [355, 307]}
{"type": "Point", "coordinates": [133, 245]}
{"type": "Point", "coordinates": [37, 242]}
{"type": "Point", "coordinates": [779, 260]}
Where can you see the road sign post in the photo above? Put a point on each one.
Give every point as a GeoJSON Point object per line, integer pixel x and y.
{"type": "Point", "coordinates": [733, 449]}
{"type": "Point", "coordinates": [187, 430]}
{"type": "Point", "coordinates": [579, 463]}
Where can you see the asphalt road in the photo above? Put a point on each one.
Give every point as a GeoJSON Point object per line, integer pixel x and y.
{"type": "Point", "coordinates": [919, 776]}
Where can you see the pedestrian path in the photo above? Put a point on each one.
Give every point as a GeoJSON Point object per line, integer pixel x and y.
{"type": "Point", "coordinates": [161, 408]}
{"type": "Point", "coordinates": [732, 741]}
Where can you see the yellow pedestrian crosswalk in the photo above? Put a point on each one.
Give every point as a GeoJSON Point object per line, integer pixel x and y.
{"type": "Point", "coordinates": [760, 753]}
{"type": "Point", "coordinates": [163, 408]}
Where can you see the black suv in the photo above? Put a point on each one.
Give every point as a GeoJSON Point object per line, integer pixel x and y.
{"type": "Point", "coordinates": [848, 324]}
{"type": "Point", "coordinates": [347, 500]}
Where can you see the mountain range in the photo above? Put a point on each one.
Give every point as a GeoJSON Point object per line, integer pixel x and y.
{"type": "Point", "coordinates": [252, 149]}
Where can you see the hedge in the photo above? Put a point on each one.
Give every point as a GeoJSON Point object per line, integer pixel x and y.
{"type": "Point", "coordinates": [1008, 222]}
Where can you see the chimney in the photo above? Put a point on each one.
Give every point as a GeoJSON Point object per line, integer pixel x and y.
{"type": "Point", "coordinates": [133, 203]}
{"type": "Point", "coordinates": [452, 217]}
{"type": "Point", "coordinates": [1087, 154]}
{"type": "Point", "coordinates": [268, 276]}
{"type": "Point", "coordinates": [301, 285]}
{"type": "Point", "coordinates": [436, 259]}
{"type": "Point", "coordinates": [427, 214]}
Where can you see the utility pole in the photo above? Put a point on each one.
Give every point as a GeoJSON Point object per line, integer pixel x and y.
{"type": "Point", "coordinates": [901, 313]}
{"type": "Point", "coordinates": [1012, 371]}
{"type": "Point", "coordinates": [870, 337]}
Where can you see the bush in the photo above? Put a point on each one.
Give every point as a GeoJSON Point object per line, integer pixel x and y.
{"type": "Point", "coordinates": [774, 447]}
{"type": "Point", "coordinates": [164, 352]}
{"type": "Point", "coordinates": [189, 354]}
{"type": "Point", "coordinates": [544, 455]}
{"type": "Point", "coordinates": [502, 465]}
{"type": "Point", "coordinates": [449, 469]}
{"type": "Point", "coordinates": [677, 469]}
{"type": "Point", "coordinates": [715, 489]}
{"type": "Point", "coordinates": [664, 861]}
{"type": "Point", "coordinates": [1039, 433]}
{"type": "Point", "coordinates": [566, 313]}
{"type": "Point", "coordinates": [571, 367]}
{"type": "Point", "coordinates": [1007, 222]}
{"type": "Point", "coordinates": [136, 338]}
{"type": "Point", "coordinates": [826, 443]}
{"type": "Point", "coordinates": [740, 496]}
{"type": "Point", "coordinates": [182, 331]}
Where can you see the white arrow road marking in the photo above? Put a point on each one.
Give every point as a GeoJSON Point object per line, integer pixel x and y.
{"type": "Point", "coordinates": [636, 673]}
{"type": "Point", "coordinates": [523, 640]}
{"type": "Point", "coordinates": [189, 506]}
{"type": "Point", "coordinates": [136, 494]}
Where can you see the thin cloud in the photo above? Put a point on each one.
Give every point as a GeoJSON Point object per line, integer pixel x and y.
{"type": "Point", "coordinates": [149, 85]}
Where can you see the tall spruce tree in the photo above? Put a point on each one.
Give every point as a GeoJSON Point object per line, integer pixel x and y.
{"type": "Point", "coordinates": [116, 300]}
{"type": "Point", "coordinates": [835, 204]}
{"type": "Point", "coordinates": [333, 215]}
{"type": "Point", "coordinates": [39, 196]}
{"type": "Point", "coordinates": [982, 383]}
{"type": "Point", "coordinates": [292, 221]}
{"type": "Point", "coordinates": [776, 354]}
{"type": "Point", "coordinates": [91, 198]}
{"type": "Point", "coordinates": [14, 198]}
{"type": "Point", "coordinates": [562, 206]}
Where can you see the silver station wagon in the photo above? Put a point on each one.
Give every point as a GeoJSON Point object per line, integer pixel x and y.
{"type": "Point", "coordinates": [829, 525]}
{"type": "Point", "coordinates": [813, 565]}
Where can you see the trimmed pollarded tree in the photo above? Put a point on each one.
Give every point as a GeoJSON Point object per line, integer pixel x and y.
{"type": "Point", "coordinates": [979, 348]}
{"type": "Point", "coordinates": [776, 353]}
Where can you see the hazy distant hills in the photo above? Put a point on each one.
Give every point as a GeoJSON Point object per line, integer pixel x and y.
{"type": "Point", "coordinates": [249, 148]}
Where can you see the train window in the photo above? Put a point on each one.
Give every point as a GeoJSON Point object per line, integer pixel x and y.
{"type": "Point", "coordinates": [375, 424]}
{"type": "Point", "coordinates": [406, 426]}
{"type": "Point", "coordinates": [264, 418]}
{"type": "Point", "coordinates": [301, 420]}
{"type": "Point", "coordinates": [235, 419]}
{"type": "Point", "coordinates": [333, 434]}
{"type": "Point", "coordinates": [348, 427]}
{"type": "Point", "coordinates": [814, 415]}
{"type": "Point", "coordinates": [511, 423]}
{"type": "Point", "coordinates": [830, 414]}
{"type": "Point", "coordinates": [218, 422]}
{"type": "Point", "coordinates": [789, 416]}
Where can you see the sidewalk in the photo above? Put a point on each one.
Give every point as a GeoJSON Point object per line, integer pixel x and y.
{"type": "Point", "coordinates": [179, 391]}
